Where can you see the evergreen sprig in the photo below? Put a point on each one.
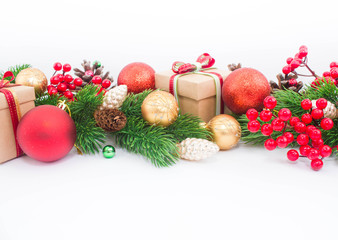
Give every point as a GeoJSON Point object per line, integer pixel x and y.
{"type": "Point", "coordinates": [15, 70]}
{"type": "Point", "coordinates": [132, 104]}
{"type": "Point", "coordinates": [153, 142]}
{"type": "Point", "coordinates": [46, 99]}
{"type": "Point", "coordinates": [188, 126]}
{"type": "Point", "coordinates": [89, 136]}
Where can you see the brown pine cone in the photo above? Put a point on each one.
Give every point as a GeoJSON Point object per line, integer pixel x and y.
{"type": "Point", "coordinates": [232, 67]}
{"type": "Point", "coordinates": [96, 68]}
{"type": "Point", "coordinates": [110, 120]}
{"type": "Point", "coordinates": [285, 83]}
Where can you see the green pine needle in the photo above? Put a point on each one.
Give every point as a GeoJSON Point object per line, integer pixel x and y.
{"type": "Point", "coordinates": [15, 70]}
{"type": "Point", "coordinates": [46, 99]}
{"type": "Point", "coordinates": [132, 105]}
{"type": "Point", "coordinates": [153, 142]}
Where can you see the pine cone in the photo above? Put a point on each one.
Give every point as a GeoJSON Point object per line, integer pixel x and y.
{"type": "Point", "coordinates": [195, 149]}
{"type": "Point", "coordinates": [95, 68]}
{"type": "Point", "coordinates": [115, 97]}
{"type": "Point", "coordinates": [110, 120]}
{"type": "Point", "coordinates": [232, 67]}
{"type": "Point", "coordinates": [290, 82]}
{"type": "Point", "coordinates": [329, 112]}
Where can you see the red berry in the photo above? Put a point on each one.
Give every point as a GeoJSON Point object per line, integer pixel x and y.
{"type": "Point", "coordinates": [293, 121]}
{"type": "Point", "coordinates": [313, 154]}
{"type": "Point", "coordinates": [292, 82]}
{"type": "Point", "coordinates": [315, 134]}
{"type": "Point", "coordinates": [266, 129]}
{"type": "Point", "coordinates": [106, 83]}
{"type": "Point", "coordinates": [62, 87]}
{"type": "Point", "coordinates": [289, 60]}
{"type": "Point", "coordinates": [265, 115]}
{"type": "Point", "coordinates": [294, 64]}
{"type": "Point", "coordinates": [55, 80]}
{"type": "Point", "coordinates": [316, 164]}
{"type": "Point", "coordinates": [289, 136]}
{"type": "Point", "coordinates": [270, 144]}
{"type": "Point", "coordinates": [284, 114]}
{"type": "Point", "coordinates": [307, 118]}
{"type": "Point", "coordinates": [326, 74]}
{"type": "Point", "coordinates": [61, 77]}
{"type": "Point", "coordinates": [251, 114]}
{"type": "Point", "coordinates": [303, 51]}
{"type": "Point", "coordinates": [67, 67]}
{"type": "Point", "coordinates": [53, 91]}
{"type": "Point", "coordinates": [78, 82]}
{"type": "Point", "coordinates": [300, 127]}
{"type": "Point", "coordinates": [317, 143]}
{"type": "Point", "coordinates": [68, 94]}
{"type": "Point", "coordinates": [277, 125]}
{"type": "Point", "coordinates": [254, 126]}
{"type": "Point", "coordinates": [96, 79]}
{"type": "Point", "coordinates": [333, 64]}
{"type": "Point", "coordinates": [287, 69]}
{"type": "Point", "coordinates": [304, 150]}
{"type": "Point", "coordinates": [321, 103]}
{"type": "Point", "coordinates": [57, 66]}
{"type": "Point", "coordinates": [326, 124]}
{"type": "Point", "coordinates": [282, 142]}
{"type": "Point", "coordinates": [306, 104]}
{"type": "Point", "coordinates": [325, 151]}
{"type": "Point", "coordinates": [71, 86]}
{"type": "Point", "coordinates": [292, 155]}
{"type": "Point", "coordinates": [309, 129]}
{"type": "Point", "coordinates": [270, 102]}
{"type": "Point", "coordinates": [68, 78]}
{"type": "Point", "coordinates": [302, 139]}
{"type": "Point", "coordinates": [317, 113]}
{"type": "Point", "coordinates": [89, 73]}
{"type": "Point", "coordinates": [334, 72]}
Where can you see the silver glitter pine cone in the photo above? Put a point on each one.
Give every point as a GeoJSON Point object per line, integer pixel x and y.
{"type": "Point", "coordinates": [195, 149]}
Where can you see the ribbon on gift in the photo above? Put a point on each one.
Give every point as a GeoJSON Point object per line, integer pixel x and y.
{"type": "Point", "coordinates": [203, 63]}
{"type": "Point", "coordinates": [13, 105]}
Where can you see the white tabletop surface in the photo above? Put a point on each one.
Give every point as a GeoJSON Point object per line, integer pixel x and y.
{"type": "Point", "coordinates": [245, 193]}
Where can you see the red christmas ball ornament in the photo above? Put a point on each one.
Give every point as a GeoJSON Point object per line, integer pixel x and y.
{"type": "Point", "coordinates": [46, 133]}
{"type": "Point", "coordinates": [138, 77]}
{"type": "Point", "coordinates": [245, 88]}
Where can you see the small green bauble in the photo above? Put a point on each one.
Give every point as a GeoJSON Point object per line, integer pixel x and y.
{"type": "Point", "coordinates": [108, 151]}
{"type": "Point", "coordinates": [98, 63]}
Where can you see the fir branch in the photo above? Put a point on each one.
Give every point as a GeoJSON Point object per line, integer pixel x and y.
{"type": "Point", "coordinates": [188, 126]}
{"type": "Point", "coordinates": [46, 99]}
{"type": "Point", "coordinates": [153, 142]}
{"type": "Point", "coordinates": [15, 70]}
{"type": "Point", "coordinates": [132, 105]}
{"type": "Point", "coordinates": [89, 136]}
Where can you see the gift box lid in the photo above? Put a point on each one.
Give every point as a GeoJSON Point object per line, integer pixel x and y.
{"type": "Point", "coordinates": [194, 86]}
{"type": "Point", "coordinates": [23, 93]}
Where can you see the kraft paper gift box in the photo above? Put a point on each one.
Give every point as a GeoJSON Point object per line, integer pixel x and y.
{"type": "Point", "coordinates": [196, 92]}
{"type": "Point", "coordinates": [25, 96]}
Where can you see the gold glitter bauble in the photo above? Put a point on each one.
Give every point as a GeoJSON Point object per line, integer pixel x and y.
{"type": "Point", "coordinates": [226, 131]}
{"type": "Point", "coordinates": [160, 108]}
{"type": "Point", "coordinates": [33, 77]}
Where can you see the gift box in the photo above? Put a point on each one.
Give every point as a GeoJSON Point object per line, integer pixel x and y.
{"type": "Point", "coordinates": [196, 92]}
{"type": "Point", "coordinates": [24, 98]}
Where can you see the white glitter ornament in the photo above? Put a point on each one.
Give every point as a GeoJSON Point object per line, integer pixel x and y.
{"type": "Point", "coordinates": [114, 98]}
{"type": "Point", "coordinates": [195, 149]}
{"type": "Point", "coordinates": [329, 112]}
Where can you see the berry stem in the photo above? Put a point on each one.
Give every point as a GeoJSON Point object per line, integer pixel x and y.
{"type": "Point", "coordinates": [54, 73]}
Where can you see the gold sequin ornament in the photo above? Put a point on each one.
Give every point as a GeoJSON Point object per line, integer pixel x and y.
{"type": "Point", "coordinates": [195, 149]}
{"type": "Point", "coordinates": [226, 131]}
{"type": "Point", "coordinates": [160, 108]}
{"type": "Point", "coordinates": [33, 77]}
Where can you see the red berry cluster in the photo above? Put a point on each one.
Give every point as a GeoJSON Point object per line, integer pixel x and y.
{"type": "Point", "coordinates": [299, 60]}
{"type": "Point", "coordinates": [309, 135]}
{"type": "Point", "coordinates": [330, 76]}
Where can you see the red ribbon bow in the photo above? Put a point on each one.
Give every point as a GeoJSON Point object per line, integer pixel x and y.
{"type": "Point", "coordinates": [203, 61]}
{"type": "Point", "coordinates": [4, 83]}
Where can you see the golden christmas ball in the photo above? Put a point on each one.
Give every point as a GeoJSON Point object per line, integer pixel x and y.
{"type": "Point", "coordinates": [160, 108]}
{"type": "Point", "coordinates": [226, 131]}
{"type": "Point", "coordinates": [32, 77]}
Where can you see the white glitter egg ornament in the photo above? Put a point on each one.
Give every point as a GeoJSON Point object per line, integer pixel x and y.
{"type": "Point", "coordinates": [195, 149]}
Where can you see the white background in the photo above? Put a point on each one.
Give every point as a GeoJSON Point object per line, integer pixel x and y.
{"type": "Point", "coordinates": [244, 193]}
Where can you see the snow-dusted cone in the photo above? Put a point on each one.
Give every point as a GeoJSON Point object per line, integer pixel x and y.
{"type": "Point", "coordinates": [195, 149]}
{"type": "Point", "coordinates": [330, 111]}
{"type": "Point", "coordinates": [114, 98]}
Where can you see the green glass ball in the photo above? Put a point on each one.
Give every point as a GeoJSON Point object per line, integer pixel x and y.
{"type": "Point", "coordinates": [108, 151]}
{"type": "Point", "coordinates": [98, 63]}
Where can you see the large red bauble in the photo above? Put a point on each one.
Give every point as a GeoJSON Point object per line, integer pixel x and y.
{"type": "Point", "coordinates": [137, 76]}
{"type": "Point", "coordinates": [245, 88]}
{"type": "Point", "coordinates": [46, 133]}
